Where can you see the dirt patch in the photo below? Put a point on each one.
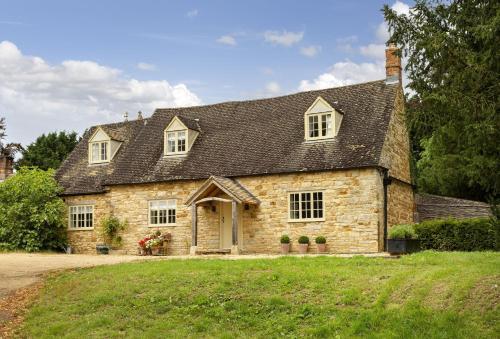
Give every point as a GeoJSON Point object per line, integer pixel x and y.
{"type": "Point", "coordinates": [14, 307]}
{"type": "Point", "coordinates": [484, 296]}
{"type": "Point", "coordinates": [439, 296]}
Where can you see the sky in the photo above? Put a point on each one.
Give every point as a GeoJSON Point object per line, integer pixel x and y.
{"type": "Point", "coordinates": [68, 65]}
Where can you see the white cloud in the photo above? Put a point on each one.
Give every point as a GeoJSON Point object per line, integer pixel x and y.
{"type": "Point", "coordinates": [193, 13]}
{"type": "Point", "coordinates": [374, 51]}
{"type": "Point", "coordinates": [310, 51]}
{"type": "Point", "coordinates": [146, 67]}
{"type": "Point", "coordinates": [273, 88]}
{"type": "Point", "coordinates": [283, 38]}
{"type": "Point", "coordinates": [37, 97]}
{"type": "Point", "coordinates": [345, 73]}
{"type": "Point", "coordinates": [227, 40]}
{"type": "Point", "coordinates": [345, 44]}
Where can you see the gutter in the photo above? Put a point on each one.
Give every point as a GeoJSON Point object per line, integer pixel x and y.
{"type": "Point", "coordinates": [386, 181]}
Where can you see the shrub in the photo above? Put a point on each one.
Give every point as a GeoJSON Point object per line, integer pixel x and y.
{"type": "Point", "coordinates": [320, 240]}
{"type": "Point", "coordinates": [303, 239]}
{"type": "Point", "coordinates": [31, 212]}
{"type": "Point", "coordinates": [110, 228]}
{"type": "Point", "coordinates": [402, 232]}
{"type": "Point", "coordinates": [285, 239]}
{"type": "Point", "coordinates": [478, 234]}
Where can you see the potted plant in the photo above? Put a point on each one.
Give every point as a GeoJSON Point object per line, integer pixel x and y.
{"type": "Point", "coordinates": [303, 244]}
{"type": "Point", "coordinates": [285, 244]}
{"type": "Point", "coordinates": [402, 239]}
{"type": "Point", "coordinates": [143, 249]}
{"type": "Point", "coordinates": [111, 226]}
{"type": "Point", "coordinates": [321, 244]}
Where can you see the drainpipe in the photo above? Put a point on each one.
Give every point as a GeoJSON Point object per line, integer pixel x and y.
{"type": "Point", "coordinates": [386, 181]}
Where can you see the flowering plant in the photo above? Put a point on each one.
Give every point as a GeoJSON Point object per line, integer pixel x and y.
{"type": "Point", "coordinates": [154, 240]}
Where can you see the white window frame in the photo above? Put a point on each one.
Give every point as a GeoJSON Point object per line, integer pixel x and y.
{"type": "Point", "coordinates": [176, 141]}
{"type": "Point", "coordinates": [329, 131]}
{"type": "Point", "coordinates": [301, 219]}
{"type": "Point", "coordinates": [85, 219]}
{"type": "Point", "coordinates": [167, 202]}
{"type": "Point", "coordinates": [100, 160]}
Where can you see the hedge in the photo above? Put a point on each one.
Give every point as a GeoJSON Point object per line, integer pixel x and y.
{"type": "Point", "coordinates": [478, 234]}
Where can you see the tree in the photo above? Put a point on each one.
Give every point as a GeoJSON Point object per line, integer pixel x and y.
{"type": "Point", "coordinates": [7, 149]}
{"type": "Point", "coordinates": [453, 66]}
{"type": "Point", "coordinates": [31, 212]}
{"type": "Point", "coordinates": [48, 151]}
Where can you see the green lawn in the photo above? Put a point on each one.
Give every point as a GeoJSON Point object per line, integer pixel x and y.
{"type": "Point", "coordinates": [442, 295]}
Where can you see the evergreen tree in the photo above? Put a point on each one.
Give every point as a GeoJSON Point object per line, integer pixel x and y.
{"type": "Point", "coordinates": [453, 62]}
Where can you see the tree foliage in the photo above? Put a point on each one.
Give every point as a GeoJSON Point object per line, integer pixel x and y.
{"type": "Point", "coordinates": [453, 68]}
{"type": "Point", "coordinates": [31, 212]}
{"type": "Point", "coordinates": [48, 151]}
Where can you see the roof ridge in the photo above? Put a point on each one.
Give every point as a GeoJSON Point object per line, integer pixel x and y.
{"type": "Point", "coordinates": [270, 98]}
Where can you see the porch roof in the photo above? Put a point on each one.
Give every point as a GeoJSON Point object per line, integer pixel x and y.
{"type": "Point", "coordinates": [229, 186]}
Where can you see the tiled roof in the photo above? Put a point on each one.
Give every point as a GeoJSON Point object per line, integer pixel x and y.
{"type": "Point", "coordinates": [232, 187]}
{"type": "Point", "coordinates": [245, 138]}
{"type": "Point", "coordinates": [438, 207]}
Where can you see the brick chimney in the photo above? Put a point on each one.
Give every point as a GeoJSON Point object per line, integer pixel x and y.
{"type": "Point", "coordinates": [392, 65]}
{"type": "Point", "coordinates": [6, 167]}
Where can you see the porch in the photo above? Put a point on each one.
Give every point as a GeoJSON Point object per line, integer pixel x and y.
{"type": "Point", "coordinates": [216, 212]}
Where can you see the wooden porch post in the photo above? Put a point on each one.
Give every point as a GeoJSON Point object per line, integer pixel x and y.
{"type": "Point", "coordinates": [194, 229]}
{"type": "Point", "coordinates": [234, 248]}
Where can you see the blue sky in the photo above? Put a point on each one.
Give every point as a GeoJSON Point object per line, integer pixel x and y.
{"type": "Point", "coordinates": [71, 64]}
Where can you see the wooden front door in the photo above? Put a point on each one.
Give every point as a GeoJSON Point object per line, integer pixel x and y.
{"type": "Point", "coordinates": [226, 225]}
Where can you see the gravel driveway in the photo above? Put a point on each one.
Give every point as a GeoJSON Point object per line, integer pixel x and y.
{"type": "Point", "coordinates": [18, 270]}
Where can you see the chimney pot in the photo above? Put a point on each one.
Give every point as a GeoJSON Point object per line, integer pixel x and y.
{"type": "Point", "coordinates": [125, 116]}
{"type": "Point", "coordinates": [392, 64]}
{"type": "Point", "coordinates": [139, 116]}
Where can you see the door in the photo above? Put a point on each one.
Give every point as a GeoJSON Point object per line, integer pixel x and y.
{"type": "Point", "coordinates": [226, 225]}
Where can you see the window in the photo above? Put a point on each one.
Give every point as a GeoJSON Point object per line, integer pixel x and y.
{"type": "Point", "coordinates": [176, 142]}
{"type": "Point", "coordinates": [99, 152]}
{"type": "Point", "coordinates": [81, 217]}
{"type": "Point", "coordinates": [320, 126]}
{"type": "Point", "coordinates": [306, 206]}
{"type": "Point", "coordinates": [162, 212]}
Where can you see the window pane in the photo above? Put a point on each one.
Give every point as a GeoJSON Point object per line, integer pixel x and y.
{"type": "Point", "coordinates": [162, 219]}
{"type": "Point", "coordinates": [318, 205]}
{"type": "Point", "coordinates": [104, 153]}
{"type": "Point", "coordinates": [171, 142]}
{"type": "Point", "coordinates": [171, 216]}
{"type": "Point", "coordinates": [313, 126]}
{"type": "Point", "coordinates": [95, 151]}
{"type": "Point", "coordinates": [181, 141]}
{"type": "Point", "coordinates": [153, 217]}
{"type": "Point", "coordinates": [326, 125]}
{"type": "Point", "coordinates": [306, 205]}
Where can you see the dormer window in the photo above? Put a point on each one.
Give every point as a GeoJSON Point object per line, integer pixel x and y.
{"type": "Point", "coordinates": [320, 126]}
{"type": "Point", "coordinates": [321, 121]}
{"type": "Point", "coordinates": [100, 151]}
{"type": "Point", "coordinates": [180, 135]}
{"type": "Point", "coordinates": [102, 147]}
{"type": "Point", "coordinates": [176, 142]}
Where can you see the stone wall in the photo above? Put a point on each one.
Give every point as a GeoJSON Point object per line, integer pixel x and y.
{"type": "Point", "coordinates": [353, 213]}
{"type": "Point", "coordinates": [6, 167]}
{"type": "Point", "coordinates": [396, 157]}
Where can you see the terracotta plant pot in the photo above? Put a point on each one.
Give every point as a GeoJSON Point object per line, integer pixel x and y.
{"type": "Point", "coordinates": [155, 250]}
{"type": "Point", "coordinates": [303, 248]}
{"type": "Point", "coordinates": [321, 248]}
{"type": "Point", "coordinates": [285, 248]}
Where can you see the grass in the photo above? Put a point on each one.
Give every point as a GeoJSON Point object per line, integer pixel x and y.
{"type": "Point", "coordinates": [426, 295]}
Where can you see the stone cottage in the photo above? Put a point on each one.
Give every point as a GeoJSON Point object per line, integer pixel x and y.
{"type": "Point", "coordinates": [235, 176]}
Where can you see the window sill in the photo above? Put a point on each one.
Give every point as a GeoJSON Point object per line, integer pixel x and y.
{"type": "Point", "coordinates": [310, 141]}
{"type": "Point", "coordinates": [81, 229]}
{"type": "Point", "coordinates": [163, 225]}
{"type": "Point", "coordinates": [175, 155]}
{"type": "Point", "coordinates": [306, 220]}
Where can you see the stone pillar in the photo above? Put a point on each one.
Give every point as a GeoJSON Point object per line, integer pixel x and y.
{"type": "Point", "coordinates": [194, 229]}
